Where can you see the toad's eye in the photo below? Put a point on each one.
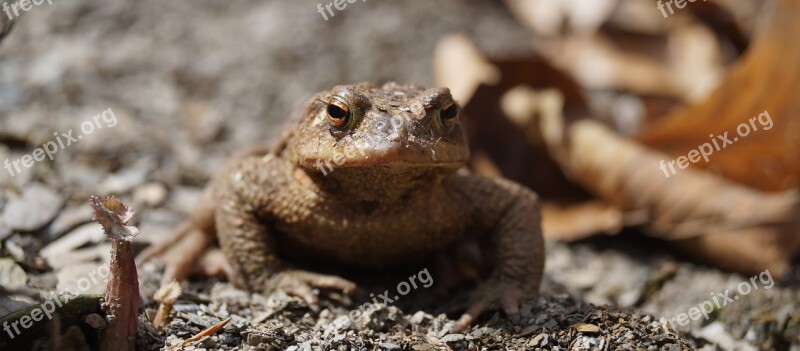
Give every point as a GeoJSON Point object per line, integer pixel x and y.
{"type": "Point", "coordinates": [339, 113]}
{"type": "Point", "coordinates": [447, 115]}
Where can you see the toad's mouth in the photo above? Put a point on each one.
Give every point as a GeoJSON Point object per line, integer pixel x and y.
{"type": "Point", "coordinates": [323, 165]}
{"type": "Point", "coordinates": [441, 157]}
{"type": "Point", "coordinates": [441, 154]}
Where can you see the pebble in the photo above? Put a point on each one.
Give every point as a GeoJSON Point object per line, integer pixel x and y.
{"type": "Point", "coordinates": [66, 245]}
{"type": "Point", "coordinates": [452, 338]}
{"type": "Point", "coordinates": [586, 328]}
{"type": "Point", "coordinates": [418, 317]}
{"type": "Point", "coordinates": [585, 343]}
{"type": "Point", "coordinates": [126, 179]}
{"type": "Point", "coordinates": [67, 220]}
{"type": "Point", "coordinates": [528, 330]}
{"type": "Point", "coordinates": [183, 199]}
{"type": "Point", "coordinates": [84, 278]}
{"type": "Point", "coordinates": [202, 120]}
{"type": "Point", "coordinates": [539, 340]}
{"type": "Point", "coordinates": [389, 346]}
{"type": "Point", "coordinates": [184, 307]}
{"type": "Point", "coordinates": [11, 274]}
{"type": "Point", "coordinates": [150, 194]}
{"type": "Point", "coordinates": [209, 342]}
{"type": "Point", "coordinates": [255, 339]}
{"type": "Point", "coordinates": [203, 322]}
{"type": "Point", "coordinates": [551, 324]}
{"type": "Point", "coordinates": [46, 281]}
{"type": "Point", "coordinates": [37, 206]}
{"type": "Point", "coordinates": [24, 249]}
{"type": "Point", "coordinates": [95, 321]}
{"type": "Point", "coordinates": [5, 231]}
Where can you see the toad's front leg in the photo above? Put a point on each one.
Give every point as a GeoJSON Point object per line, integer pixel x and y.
{"type": "Point", "coordinates": [511, 211]}
{"type": "Point", "coordinates": [247, 199]}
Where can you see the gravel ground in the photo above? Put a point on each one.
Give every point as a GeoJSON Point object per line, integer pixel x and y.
{"type": "Point", "coordinates": [169, 89]}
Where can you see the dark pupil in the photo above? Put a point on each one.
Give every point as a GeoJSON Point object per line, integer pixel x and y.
{"type": "Point", "coordinates": [450, 112]}
{"type": "Point", "coordinates": [336, 112]}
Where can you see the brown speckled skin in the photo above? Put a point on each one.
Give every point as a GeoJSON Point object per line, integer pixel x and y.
{"type": "Point", "coordinates": [400, 195]}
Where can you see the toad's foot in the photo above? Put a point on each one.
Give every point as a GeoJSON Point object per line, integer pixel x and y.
{"type": "Point", "coordinates": [301, 284]}
{"type": "Point", "coordinates": [489, 295]}
{"type": "Point", "coordinates": [181, 254]}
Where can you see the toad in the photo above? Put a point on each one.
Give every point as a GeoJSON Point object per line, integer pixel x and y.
{"type": "Point", "coordinates": [370, 177]}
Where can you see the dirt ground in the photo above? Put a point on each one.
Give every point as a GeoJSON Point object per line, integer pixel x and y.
{"type": "Point", "coordinates": [171, 88]}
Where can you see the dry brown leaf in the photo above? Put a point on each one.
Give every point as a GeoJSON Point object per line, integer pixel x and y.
{"type": "Point", "coordinates": [545, 17]}
{"type": "Point", "coordinates": [508, 146]}
{"type": "Point", "coordinates": [695, 60]}
{"type": "Point", "coordinates": [459, 62]}
{"type": "Point", "coordinates": [726, 224]}
{"type": "Point", "coordinates": [582, 220]}
{"type": "Point", "coordinates": [729, 225]}
{"type": "Point", "coordinates": [597, 63]}
{"type": "Point", "coordinates": [206, 332]}
{"type": "Point", "coordinates": [766, 79]}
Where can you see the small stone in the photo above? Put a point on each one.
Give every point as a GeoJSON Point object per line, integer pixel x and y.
{"type": "Point", "coordinates": [202, 322]}
{"type": "Point", "coordinates": [83, 278]}
{"type": "Point", "coordinates": [586, 328]}
{"type": "Point", "coordinates": [585, 343]}
{"type": "Point", "coordinates": [423, 347]}
{"type": "Point", "coordinates": [528, 330]}
{"type": "Point", "coordinates": [5, 231]}
{"type": "Point", "coordinates": [184, 198]}
{"type": "Point", "coordinates": [539, 340]}
{"type": "Point", "coordinates": [37, 206]}
{"type": "Point", "coordinates": [125, 180]}
{"type": "Point", "coordinates": [202, 120]}
{"type": "Point", "coordinates": [24, 249]}
{"type": "Point", "coordinates": [255, 339]}
{"type": "Point", "coordinates": [150, 194]}
{"type": "Point", "coordinates": [68, 219]}
{"type": "Point", "coordinates": [95, 321]}
{"type": "Point", "coordinates": [418, 317]}
{"type": "Point", "coordinates": [66, 245]}
{"type": "Point", "coordinates": [453, 338]}
{"type": "Point", "coordinates": [11, 274]}
{"type": "Point", "coordinates": [209, 342]}
{"type": "Point", "coordinates": [46, 281]}
{"type": "Point", "coordinates": [551, 324]}
{"type": "Point", "coordinates": [389, 346]}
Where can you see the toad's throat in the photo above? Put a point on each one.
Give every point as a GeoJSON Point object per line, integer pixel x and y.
{"type": "Point", "coordinates": [383, 184]}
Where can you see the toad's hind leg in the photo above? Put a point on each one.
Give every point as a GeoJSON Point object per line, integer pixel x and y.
{"type": "Point", "coordinates": [178, 253]}
{"type": "Point", "coordinates": [189, 244]}
{"type": "Point", "coordinates": [185, 252]}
